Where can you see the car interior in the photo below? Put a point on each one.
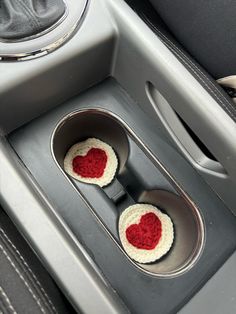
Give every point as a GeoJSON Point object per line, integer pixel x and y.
{"type": "Point", "coordinates": [117, 156]}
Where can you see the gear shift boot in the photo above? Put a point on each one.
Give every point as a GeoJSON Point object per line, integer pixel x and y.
{"type": "Point", "coordinates": [25, 18]}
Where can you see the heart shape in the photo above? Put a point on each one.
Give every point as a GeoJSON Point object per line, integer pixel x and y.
{"type": "Point", "coordinates": [145, 235]}
{"type": "Point", "coordinates": [91, 165]}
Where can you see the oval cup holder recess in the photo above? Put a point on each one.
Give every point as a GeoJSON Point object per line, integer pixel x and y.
{"type": "Point", "coordinates": [188, 224]}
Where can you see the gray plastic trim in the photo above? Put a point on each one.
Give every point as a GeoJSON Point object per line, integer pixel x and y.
{"type": "Point", "coordinates": [118, 43]}
{"type": "Point", "coordinates": [149, 60]}
{"type": "Point", "coordinates": [63, 255]}
{"type": "Point", "coordinates": [218, 295]}
{"type": "Point", "coordinates": [144, 293]}
{"type": "Point", "coordinates": [177, 131]}
{"type": "Point", "coordinates": [121, 45]}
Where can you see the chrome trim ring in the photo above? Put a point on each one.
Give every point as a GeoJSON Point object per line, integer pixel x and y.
{"type": "Point", "coordinates": [50, 39]}
{"type": "Point", "coordinates": [53, 26]}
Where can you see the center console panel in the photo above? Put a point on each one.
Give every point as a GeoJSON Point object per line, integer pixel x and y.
{"type": "Point", "coordinates": [149, 171]}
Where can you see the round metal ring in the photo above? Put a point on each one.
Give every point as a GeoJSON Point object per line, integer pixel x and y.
{"type": "Point", "coordinates": [49, 40]}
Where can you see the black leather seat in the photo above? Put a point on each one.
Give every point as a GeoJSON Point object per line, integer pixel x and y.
{"type": "Point", "coordinates": [25, 286]}
{"type": "Point", "coordinates": [206, 29]}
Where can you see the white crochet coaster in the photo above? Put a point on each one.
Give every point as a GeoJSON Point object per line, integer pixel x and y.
{"type": "Point", "coordinates": [132, 215]}
{"type": "Point", "coordinates": [81, 149]}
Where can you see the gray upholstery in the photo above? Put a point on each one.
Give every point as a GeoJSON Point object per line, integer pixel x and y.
{"type": "Point", "coordinates": [25, 286]}
{"type": "Point", "coordinates": [24, 18]}
{"type": "Point", "coordinates": [206, 29]}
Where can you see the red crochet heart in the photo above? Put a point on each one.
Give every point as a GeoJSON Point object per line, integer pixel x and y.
{"type": "Point", "coordinates": [92, 165]}
{"type": "Point", "coordinates": [145, 235]}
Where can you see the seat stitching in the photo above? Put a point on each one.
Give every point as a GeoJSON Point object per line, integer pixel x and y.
{"type": "Point", "coordinates": [30, 270]}
{"type": "Point", "coordinates": [190, 61]}
{"type": "Point", "coordinates": [197, 68]}
{"type": "Point", "coordinates": [51, 306]}
{"type": "Point", "coordinates": [224, 106]}
{"type": "Point", "coordinates": [7, 301]}
{"type": "Point", "coordinates": [22, 278]}
{"type": "Point", "coordinates": [230, 110]}
{"type": "Point", "coordinates": [208, 87]}
{"type": "Point", "coordinates": [185, 62]}
{"type": "Point", "coordinates": [3, 306]}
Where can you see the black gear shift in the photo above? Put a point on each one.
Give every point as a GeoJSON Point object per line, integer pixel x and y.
{"type": "Point", "coordinates": [23, 18]}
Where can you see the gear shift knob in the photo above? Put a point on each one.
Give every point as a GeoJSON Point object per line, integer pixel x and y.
{"type": "Point", "coordinates": [20, 19]}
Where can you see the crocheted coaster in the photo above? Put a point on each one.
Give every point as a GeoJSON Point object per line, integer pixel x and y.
{"type": "Point", "coordinates": [91, 161]}
{"type": "Point", "coordinates": [145, 233]}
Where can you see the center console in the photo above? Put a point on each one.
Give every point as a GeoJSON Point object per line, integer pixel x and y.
{"type": "Point", "coordinates": [97, 85]}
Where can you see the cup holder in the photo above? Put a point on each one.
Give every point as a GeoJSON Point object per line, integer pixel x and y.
{"type": "Point", "coordinates": [188, 230]}
{"type": "Point", "coordinates": [86, 124]}
{"type": "Point", "coordinates": [188, 224]}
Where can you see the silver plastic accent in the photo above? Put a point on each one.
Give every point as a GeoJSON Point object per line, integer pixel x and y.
{"type": "Point", "coordinates": [47, 41]}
